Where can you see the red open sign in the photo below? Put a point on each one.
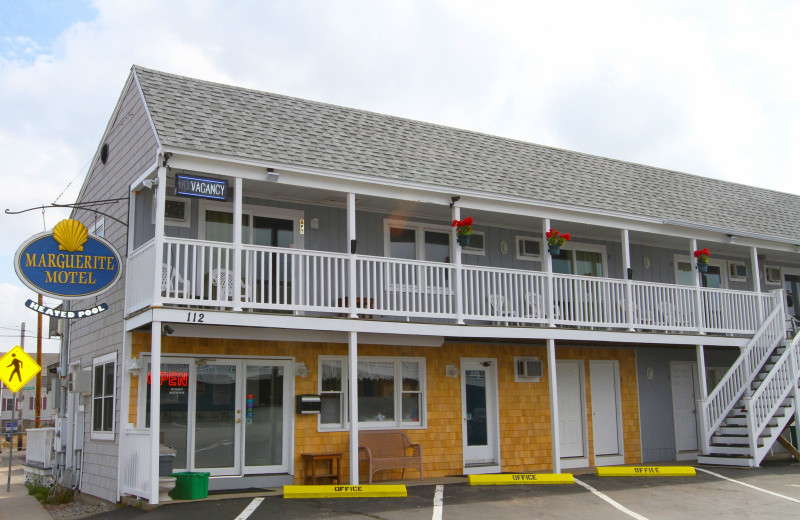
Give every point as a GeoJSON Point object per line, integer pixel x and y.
{"type": "Point", "coordinates": [172, 378]}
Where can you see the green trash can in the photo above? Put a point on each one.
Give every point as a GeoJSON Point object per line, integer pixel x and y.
{"type": "Point", "coordinates": [190, 485]}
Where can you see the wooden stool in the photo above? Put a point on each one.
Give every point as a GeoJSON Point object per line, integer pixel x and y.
{"type": "Point", "coordinates": [310, 464]}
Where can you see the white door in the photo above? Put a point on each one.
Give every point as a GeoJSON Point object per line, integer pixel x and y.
{"type": "Point", "coordinates": [217, 418]}
{"type": "Point", "coordinates": [479, 411]}
{"type": "Point", "coordinates": [606, 409]}
{"type": "Point", "coordinates": [684, 376]}
{"type": "Point", "coordinates": [570, 408]}
{"type": "Point", "coordinates": [266, 418]}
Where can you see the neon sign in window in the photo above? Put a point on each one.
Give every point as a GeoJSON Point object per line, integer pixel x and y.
{"type": "Point", "coordinates": [172, 378]}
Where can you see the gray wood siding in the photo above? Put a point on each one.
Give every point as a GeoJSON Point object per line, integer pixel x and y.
{"type": "Point", "coordinates": [655, 395]}
{"type": "Point", "coordinates": [132, 148]}
{"type": "Point", "coordinates": [332, 237]}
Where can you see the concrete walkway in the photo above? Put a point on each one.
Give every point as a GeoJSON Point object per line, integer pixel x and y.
{"type": "Point", "coordinates": [17, 504]}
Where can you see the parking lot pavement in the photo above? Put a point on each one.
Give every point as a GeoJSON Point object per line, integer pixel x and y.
{"type": "Point", "coordinates": [772, 491]}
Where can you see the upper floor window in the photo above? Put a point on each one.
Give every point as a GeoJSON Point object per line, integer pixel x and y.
{"type": "Point", "coordinates": [430, 242]}
{"type": "Point", "coordinates": [581, 259]}
{"type": "Point", "coordinates": [260, 226]}
{"type": "Point", "coordinates": [713, 279]}
{"type": "Point", "coordinates": [103, 388]}
{"type": "Point", "coordinates": [529, 248]}
{"type": "Point", "coordinates": [98, 228]}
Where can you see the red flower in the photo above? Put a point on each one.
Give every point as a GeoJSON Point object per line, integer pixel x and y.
{"type": "Point", "coordinates": [455, 223]}
{"type": "Point", "coordinates": [566, 236]}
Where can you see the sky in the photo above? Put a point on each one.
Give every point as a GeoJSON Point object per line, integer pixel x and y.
{"type": "Point", "coordinates": [710, 88]}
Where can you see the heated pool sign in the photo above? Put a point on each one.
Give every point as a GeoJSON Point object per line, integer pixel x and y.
{"type": "Point", "coordinates": [67, 263]}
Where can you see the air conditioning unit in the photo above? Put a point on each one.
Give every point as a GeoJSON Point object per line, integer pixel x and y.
{"type": "Point", "coordinates": [528, 369]}
{"type": "Point", "coordinates": [80, 381]}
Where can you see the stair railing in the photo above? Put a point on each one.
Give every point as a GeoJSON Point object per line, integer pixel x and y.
{"type": "Point", "coordinates": [770, 395]}
{"type": "Point", "coordinates": [730, 389]}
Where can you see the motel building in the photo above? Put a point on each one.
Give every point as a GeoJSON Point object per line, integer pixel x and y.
{"type": "Point", "coordinates": [292, 279]}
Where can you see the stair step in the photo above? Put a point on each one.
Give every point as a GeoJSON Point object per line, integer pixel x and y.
{"type": "Point", "coordinates": [734, 440]}
{"type": "Point", "coordinates": [729, 450]}
{"type": "Point", "coordinates": [721, 460]}
{"type": "Point", "coordinates": [737, 421]}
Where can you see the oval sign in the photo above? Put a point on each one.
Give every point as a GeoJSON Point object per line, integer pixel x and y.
{"type": "Point", "coordinates": [68, 263]}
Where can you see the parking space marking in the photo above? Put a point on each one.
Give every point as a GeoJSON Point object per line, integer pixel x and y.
{"type": "Point", "coordinates": [750, 485]}
{"type": "Point", "coordinates": [250, 508]}
{"type": "Point", "coordinates": [438, 502]}
{"type": "Point", "coordinates": [610, 500]}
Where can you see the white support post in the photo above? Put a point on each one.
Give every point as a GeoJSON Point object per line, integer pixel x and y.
{"type": "Point", "coordinates": [155, 407]}
{"type": "Point", "coordinates": [757, 285]}
{"type": "Point", "coordinates": [160, 195]}
{"type": "Point", "coordinates": [701, 372]}
{"type": "Point", "coordinates": [795, 364]}
{"type": "Point", "coordinates": [237, 244]}
{"type": "Point", "coordinates": [626, 259]}
{"type": "Point", "coordinates": [698, 299]}
{"type": "Point", "coordinates": [456, 248]}
{"type": "Point", "coordinates": [552, 378]}
{"type": "Point", "coordinates": [125, 400]}
{"type": "Point", "coordinates": [547, 265]}
{"type": "Point", "coordinates": [351, 244]}
{"type": "Point", "coordinates": [352, 378]}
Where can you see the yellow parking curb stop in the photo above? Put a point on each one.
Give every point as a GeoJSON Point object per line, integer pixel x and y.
{"type": "Point", "coordinates": [520, 478]}
{"type": "Point", "coordinates": [646, 471]}
{"type": "Point", "coordinates": [366, 491]}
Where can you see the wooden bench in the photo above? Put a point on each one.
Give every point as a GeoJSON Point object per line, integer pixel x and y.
{"type": "Point", "coordinates": [388, 449]}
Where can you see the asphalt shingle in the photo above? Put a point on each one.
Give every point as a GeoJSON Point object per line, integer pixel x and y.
{"type": "Point", "coordinates": [243, 123]}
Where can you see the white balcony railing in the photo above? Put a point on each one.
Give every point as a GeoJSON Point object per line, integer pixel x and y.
{"type": "Point", "coordinates": [134, 460]}
{"type": "Point", "coordinates": [202, 273]}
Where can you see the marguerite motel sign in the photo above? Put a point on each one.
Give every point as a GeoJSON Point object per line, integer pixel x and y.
{"type": "Point", "coordinates": [68, 263]}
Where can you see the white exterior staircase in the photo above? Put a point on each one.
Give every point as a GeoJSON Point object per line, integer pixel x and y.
{"type": "Point", "coordinates": [743, 416]}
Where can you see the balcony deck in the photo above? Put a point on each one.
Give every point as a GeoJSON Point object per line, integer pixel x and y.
{"type": "Point", "coordinates": [315, 283]}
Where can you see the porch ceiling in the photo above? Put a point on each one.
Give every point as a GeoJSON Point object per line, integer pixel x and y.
{"type": "Point", "coordinates": [419, 210]}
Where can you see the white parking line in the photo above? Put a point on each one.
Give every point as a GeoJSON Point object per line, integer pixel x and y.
{"type": "Point", "coordinates": [250, 508]}
{"type": "Point", "coordinates": [438, 502]}
{"type": "Point", "coordinates": [611, 501]}
{"type": "Point", "coordinates": [749, 485]}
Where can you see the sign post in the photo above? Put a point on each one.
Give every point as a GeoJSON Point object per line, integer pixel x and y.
{"type": "Point", "coordinates": [16, 369]}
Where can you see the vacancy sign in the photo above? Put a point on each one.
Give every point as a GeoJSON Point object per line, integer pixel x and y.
{"type": "Point", "coordinates": [17, 368]}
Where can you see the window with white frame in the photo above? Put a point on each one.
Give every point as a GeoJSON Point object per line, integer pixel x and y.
{"type": "Point", "coordinates": [98, 228]}
{"type": "Point", "coordinates": [737, 271]}
{"type": "Point", "coordinates": [529, 248]}
{"type": "Point", "coordinates": [415, 241]}
{"type": "Point", "coordinates": [477, 245]}
{"type": "Point", "coordinates": [772, 275]}
{"type": "Point", "coordinates": [391, 392]}
{"type": "Point", "coordinates": [103, 389]}
{"type": "Point", "coordinates": [581, 259]}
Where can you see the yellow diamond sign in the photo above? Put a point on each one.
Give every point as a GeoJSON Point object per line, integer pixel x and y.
{"type": "Point", "coordinates": [17, 368]}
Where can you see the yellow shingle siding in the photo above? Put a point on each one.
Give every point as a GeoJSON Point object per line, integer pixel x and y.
{"type": "Point", "coordinates": [525, 443]}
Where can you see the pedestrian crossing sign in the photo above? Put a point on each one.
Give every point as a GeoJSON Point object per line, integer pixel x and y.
{"type": "Point", "coordinates": [17, 368]}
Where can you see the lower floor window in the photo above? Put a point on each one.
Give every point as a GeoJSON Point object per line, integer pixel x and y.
{"type": "Point", "coordinates": [390, 392]}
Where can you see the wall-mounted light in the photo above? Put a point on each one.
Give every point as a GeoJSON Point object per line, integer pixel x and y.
{"type": "Point", "coordinates": [150, 183]}
{"type": "Point", "coordinates": [134, 365]}
{"type": "Point", "coordinates": [451, 371]}
{"type": "Point", "coordinates": [314, 222]}
{"type": "Point", "coordinates": [732, 239]}
{"type": "Point", "coordinates": [272, 175]}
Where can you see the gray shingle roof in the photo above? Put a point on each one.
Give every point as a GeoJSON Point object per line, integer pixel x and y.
{"type": "Point", "coordinates": [238, 122]}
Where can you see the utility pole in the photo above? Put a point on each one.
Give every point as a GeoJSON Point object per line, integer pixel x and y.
{"type": "Point", "coordinates": [37, 406]}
